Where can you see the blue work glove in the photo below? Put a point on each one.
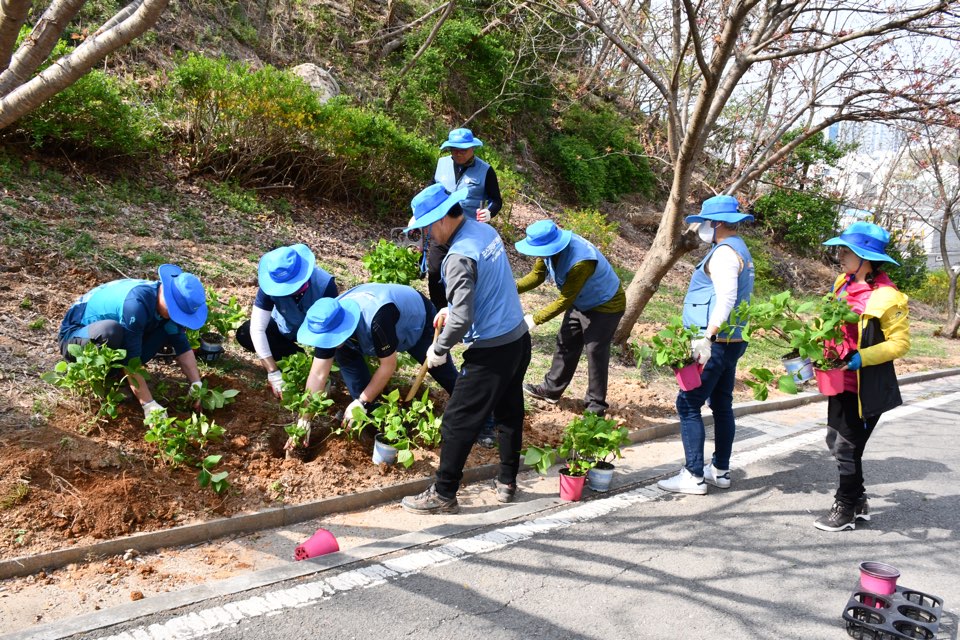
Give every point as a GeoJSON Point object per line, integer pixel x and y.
{"type": "Point", "coordinates": [853, 361]}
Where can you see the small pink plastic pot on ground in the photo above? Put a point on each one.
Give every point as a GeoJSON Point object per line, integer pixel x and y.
{"type": "Point", "coordinates": [688, 377]}
{"type": "Point", "coordinates": [320, 543]}
{"type": "Point", "coordinates": [878, 577]}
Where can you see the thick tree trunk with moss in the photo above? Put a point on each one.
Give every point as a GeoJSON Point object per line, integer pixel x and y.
{"type": "Point", "coordinates": [22, 89]}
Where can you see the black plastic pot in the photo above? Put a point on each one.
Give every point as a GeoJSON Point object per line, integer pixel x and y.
{"type": "Point", "coordinates": [211, 347]}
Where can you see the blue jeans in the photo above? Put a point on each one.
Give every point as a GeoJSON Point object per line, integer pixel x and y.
{"type": "Point", "coordinates": [716, 383]}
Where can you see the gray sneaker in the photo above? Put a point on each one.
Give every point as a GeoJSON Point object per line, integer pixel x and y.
{"type": "Point", "coordinates": [536, 391]}
{"type": "Point", "coordinates": [861, 510]}
{"type": "Point", "coordinates": [430, 502]}
{"type": "Point", "coordinates": [505, 492]}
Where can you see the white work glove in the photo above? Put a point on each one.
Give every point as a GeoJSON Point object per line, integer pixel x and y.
{"type": "Point", "coordinates": [152, 406]}
{"type": "Point", "coordinates": [529, 320]}
{"type": "Point", "coordinates": [195, 385]}
{"type": "Point", "coordinates": [483, 215]}
{"type": "Point", "coordinates": [303, 423]}
{"type": "Point", "coordinates": [701, 348]}
{"type": "Point", "coordinates": [275, 378]}
{"type": "Point", "coordinates": [434, 359]}
{"type": "Point", "coordinates": [348, 414]}
{"type": "Point", "coordinates": [441, 318]}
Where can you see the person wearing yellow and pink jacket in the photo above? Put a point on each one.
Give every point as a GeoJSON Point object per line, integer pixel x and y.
{"type": "Point", "coordinates": [880, 336]}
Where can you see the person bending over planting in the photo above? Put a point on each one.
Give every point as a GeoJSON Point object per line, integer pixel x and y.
{"type": "Point", "coordinates": [376, 320]}
{"type": "Point", "coordinates": [290, 282]}
{"type": "Point", "coordinates": [484, 312]}
{"type": "Point", "coordinates": [591, 300]}
{"type": "Point", "coordinates": [140, 317]}
{"type": "Point", "coordinates": [869, 348]}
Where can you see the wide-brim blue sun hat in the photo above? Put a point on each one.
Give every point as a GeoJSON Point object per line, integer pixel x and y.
{"type": "Point", "coordinates": [329, 323]}
{"type": "Point", "coordinates": [184, 295]}
{"type": "Point", "coordinates": [284, 270]}
{"type": "Point", "coordinates": [866, 239]}
{"type": "Point", "coordinates": [433, 203]}
{"type": "Point", "coordinates": [461, 139]}
{"type": "Point", "coordinates": [720, 209]}
{"type": "Point", "coordinates": [544, 239]}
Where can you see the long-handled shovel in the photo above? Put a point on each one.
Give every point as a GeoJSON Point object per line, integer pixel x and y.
{"type": "Point", "coordinates": [422, 373]}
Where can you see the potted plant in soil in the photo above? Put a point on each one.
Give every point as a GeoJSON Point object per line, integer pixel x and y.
{"type": "Point", "coordinates": [222, 318]}
{"type": "Point", "coordinates": [671, 348]}
{"type": "Point", "coordinates": [394, 425]}
{"type": "Point", "coordinates": [599, 440]}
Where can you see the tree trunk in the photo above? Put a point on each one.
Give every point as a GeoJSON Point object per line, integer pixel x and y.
{"type": "Point", "coordinates": [950, 329]}
{"type": "Point", "coordinates": [13, 14]}
{"type": "Point", "coordinates": [68, 69]}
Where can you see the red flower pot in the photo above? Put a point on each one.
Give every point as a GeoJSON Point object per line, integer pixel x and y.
{"type": "Point", "coordinates": [571, 487]}
{"type": "Point", "coordinates": [830, 381]}
{"type": "Point", "coordinates": [688, 377]}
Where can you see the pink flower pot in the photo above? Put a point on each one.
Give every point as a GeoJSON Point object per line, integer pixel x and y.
{"type": "Point", "coordinates": [877, 577]}
{"type": "Point", "coordinates": [688, 377]}
{"type": "Point", "coordinates": [320, 543]}
{"type": "Point", "coordinates": [830, 381]}
{"type": "Point", "coordinates": [571, 487]}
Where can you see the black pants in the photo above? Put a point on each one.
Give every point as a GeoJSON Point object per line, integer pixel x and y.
{"type": "Point", "coordinates": [435, 255]}
{"type": "Point", "coordinates": [847, 435]}
{"type": "Point", "coordinates": [111, 333]}
{"type": "Point", "coordinates": [594, 330]}
{"type": "Point", "coordinates": [491, 380]}
{"type": "Point", "coordinates": [280, 345]}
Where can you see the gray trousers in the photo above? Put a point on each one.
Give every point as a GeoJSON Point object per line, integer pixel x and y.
{"type": "Point", "coordinates": [593, 330]}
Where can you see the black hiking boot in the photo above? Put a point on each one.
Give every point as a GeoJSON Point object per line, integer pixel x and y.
{"type": "Point", "coordinates": [839, 518]}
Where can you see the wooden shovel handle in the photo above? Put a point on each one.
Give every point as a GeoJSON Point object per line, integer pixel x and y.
{"type": "Point", "coordinates": [422, 373]}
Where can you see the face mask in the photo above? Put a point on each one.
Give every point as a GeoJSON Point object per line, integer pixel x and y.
{"type": "Point", "coordinates": [707, 232]}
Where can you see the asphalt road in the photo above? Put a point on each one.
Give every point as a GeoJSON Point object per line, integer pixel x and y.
{"type": "Point", "coordinates": [740, 563]}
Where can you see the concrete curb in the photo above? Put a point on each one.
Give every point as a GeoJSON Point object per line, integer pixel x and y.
{"type": "Point", "coordinates": [287, 515]}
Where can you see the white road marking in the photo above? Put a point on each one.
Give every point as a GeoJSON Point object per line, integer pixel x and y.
{"type": "Point", "coordinates": [210, 621]}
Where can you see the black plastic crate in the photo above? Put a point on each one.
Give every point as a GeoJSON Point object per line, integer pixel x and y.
{"type": "Point", "coordinates": [905, 614]}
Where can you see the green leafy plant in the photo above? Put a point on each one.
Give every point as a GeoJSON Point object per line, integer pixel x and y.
{"type": "Point", "coordinates": [223, 317]}
{"type": "Point", "coordinates": [395, 424]}
{"type": "Point", "coordinates": [210, 398]}
{"type": "Point", "coordinates": [295, 369]}
{"type": "Point", "coordinates": [176, 438]}
{"type": "Point", "coordinates": [590, 439]}
{"type": "Point", "coordinates": [209, 478]}
{"type": "Point", "coordinates": [389, 263]}
{"type": "Point", "coordinates": [670, 347]}
{"type": "Point", "coordinates": [427, 425]}
{"type": "Point", "coordinates": [97, 372]}
{"type": "Point", "coordinates": [811, 329]}
{"type": "Point", "coordinates": [540, 458]}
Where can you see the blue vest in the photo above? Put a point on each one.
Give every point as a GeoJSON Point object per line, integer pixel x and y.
{"type": "Point", "coordinates": [599, 288]}
{"type": "Point", "coordinates": [473, 179]}
{"type": "Point", "coordinates": [289, 315]}
{"type": "Point", "coordinates": [496, 304]}
{"type": "Point", "coordinates": [701, 297]}
{"type": "Point", "coordinates": [372, 297]}
{"type": "Point", "coordinates": [108, 301]}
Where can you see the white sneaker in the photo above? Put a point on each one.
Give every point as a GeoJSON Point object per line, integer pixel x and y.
{"type": "Point", "coordinates": [684, 482]}
{"type": "Point", "coordinates": [719, 478]}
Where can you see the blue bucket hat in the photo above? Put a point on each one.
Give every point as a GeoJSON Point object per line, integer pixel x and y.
{"type": "Point", "coordinates": [461, 139]}
{"type": "Point", "coordinates": [867, 240]}
{"type": "Point", "coordinates": [544, 238]}
{"type": "Point", "coordinates": [433, 203]}
{"type": "Point", "coordinates": [720, 209]}
{"type": "Point", "coordinates": [284, 270]}
{"type": "Point", "coordinates": [329, 323]}
{"type": "Point", "coordinates": [184, 296]}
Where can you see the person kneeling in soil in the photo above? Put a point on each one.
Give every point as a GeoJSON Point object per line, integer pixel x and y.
{"type": "Point", "coordinates": [290, 282]}
{"type": "Point", "coordinates": [371, 320]}
{"type": "Point", "coordinates": [592, 301]}
{"type": "Point", "coordinates": [484, 311]}
{"type": "Point", "coordinates": [141, 317]}
{"type": "Point", "coordinates": [869, 348]}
